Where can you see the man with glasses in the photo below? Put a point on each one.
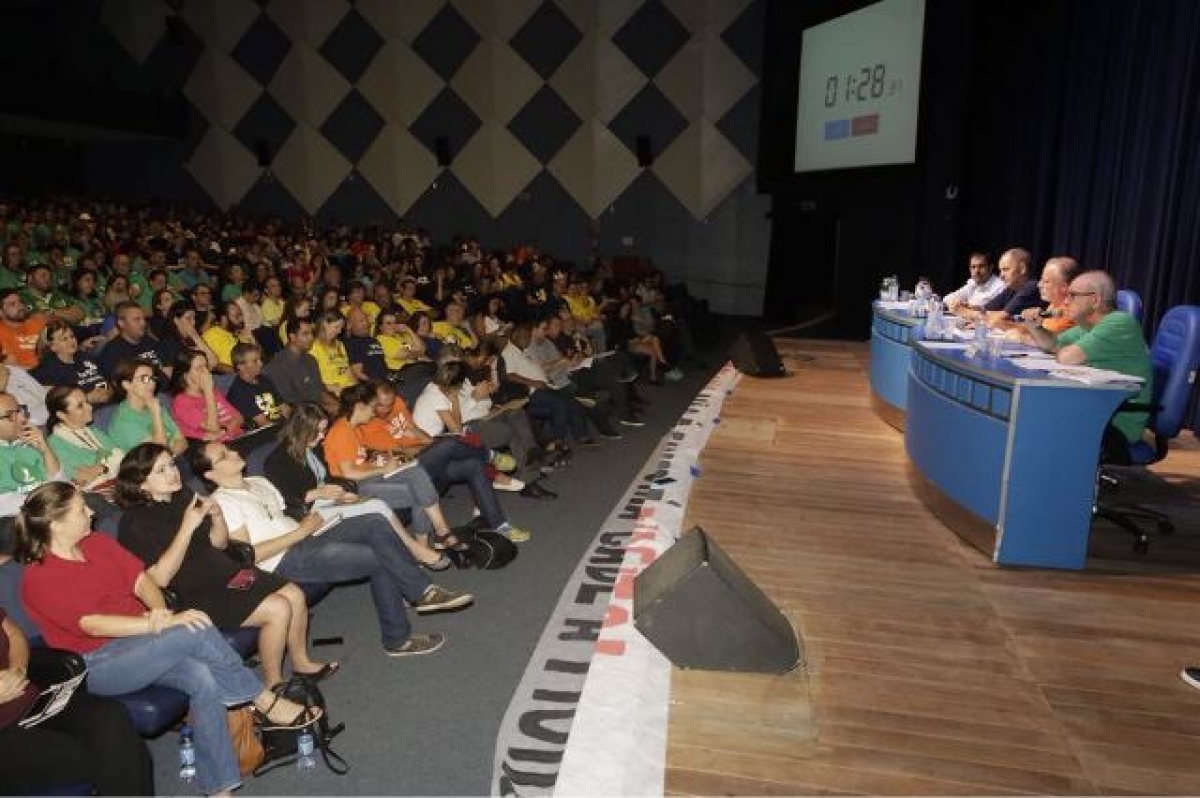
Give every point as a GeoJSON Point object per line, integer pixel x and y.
{"type": "Point", "coordinates": [1105, 338]}
{"type": "Point", "coordinates": [26, 461]}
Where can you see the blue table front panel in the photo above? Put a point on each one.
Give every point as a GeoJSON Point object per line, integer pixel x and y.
{"type": "Point", "coordinates": [891, 351]}
{"type": "Point", "coordinates": [1018, 451]}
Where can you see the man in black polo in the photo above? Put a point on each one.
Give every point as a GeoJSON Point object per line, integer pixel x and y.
{"type": "Point", "coordinates": [133, 341]}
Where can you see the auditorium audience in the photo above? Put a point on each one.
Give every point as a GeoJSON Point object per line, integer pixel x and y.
{"type": "Point", "coordinates": [313, 324]}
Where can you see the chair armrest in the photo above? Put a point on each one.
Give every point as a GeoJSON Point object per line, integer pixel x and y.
{"type": "Point", "coordinates": [53, 665]}
{"type": "Point", "coordinates": [348, 484]}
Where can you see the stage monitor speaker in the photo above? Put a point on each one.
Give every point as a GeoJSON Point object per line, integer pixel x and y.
{"type": "Point", "coordinates": [755, 355]}
{"type": "Point", "coordinates": [701, 611]}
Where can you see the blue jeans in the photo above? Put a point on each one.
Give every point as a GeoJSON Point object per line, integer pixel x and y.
{"type": "Point", "coordinates": [411, 488]}
{"type": "Point", "coordinates": [452, 461]}
{"type": "Point", "coordinates": [562, 413]}
{"type": "Point", "coordinates": [363, 546]}
{"type": "Point", "coordinates": [200, 664]}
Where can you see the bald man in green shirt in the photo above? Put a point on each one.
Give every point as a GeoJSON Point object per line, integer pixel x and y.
{"type": "Point", "coordinates": [1104, 338]}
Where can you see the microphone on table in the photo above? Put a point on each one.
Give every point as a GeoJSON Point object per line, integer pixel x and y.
{"type": "Point", "coordinates": [1048, 313]}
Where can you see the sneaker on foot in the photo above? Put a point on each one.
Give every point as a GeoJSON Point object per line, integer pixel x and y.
{"type": "Point", "coordinates": [440, 599]}
{"type": "Point", "coordinates": [674, 375]}
{"type": "Point", "coordinates": [586, 401]}
{"type": "Point", "coordinates": [515, 534]}
{"type": "Point", "coordinates": [417, 644]}
{"type": "Point", "coordinates": [512, 485]}
{"type": "Point", "coordinates": [632, 422]}
{"type": "Point", "coordinates": [611, 435]}
{"type": "Point", "coordinates": [1191, 676]}
{"type": "Point", "coordinates": [503, 462]}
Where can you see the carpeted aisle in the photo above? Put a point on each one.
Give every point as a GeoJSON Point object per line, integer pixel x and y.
{"type": "Point", "coordinates": [428, 725]}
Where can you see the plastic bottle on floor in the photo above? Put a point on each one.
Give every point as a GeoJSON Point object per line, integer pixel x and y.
{"type": "Point", "coordinates": [306, 759]}
{"type": "Point", "coordinates": [187, 756]}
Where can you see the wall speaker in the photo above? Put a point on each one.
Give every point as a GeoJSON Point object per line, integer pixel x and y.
{"type": "Point", "coordinates": [755, 355]}
{"type": "Point", "coordinates": [441, 148]}
{"type": "Point", "coordinates": [702, 612]}
{"type": "Point", "coordinates": [645, 153]}
{"type": "Point", "coordinates": [262, 152]}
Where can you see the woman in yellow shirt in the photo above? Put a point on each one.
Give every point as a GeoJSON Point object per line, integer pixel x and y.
{"type": "Point", "coordinates": [330, 353]}
{"type": "Point", "coordinates": [401, 345]}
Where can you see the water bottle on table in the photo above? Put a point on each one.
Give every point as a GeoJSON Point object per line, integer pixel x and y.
{"type": "Point", "coordinates": [187, 756]}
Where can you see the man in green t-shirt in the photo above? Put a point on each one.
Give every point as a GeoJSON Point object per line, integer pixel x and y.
{"type": "Point", "coordinates": [41, 296]}
{"type": "Point", "coordinates": [1104, 338]}
{"type": "Point", "coordinates": [25, 459]}
{"type": "Point", "coordinates": [12, 270]}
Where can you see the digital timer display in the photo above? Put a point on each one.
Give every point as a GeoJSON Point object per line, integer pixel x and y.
{"type": "Point", "coordinates": [859, 81]}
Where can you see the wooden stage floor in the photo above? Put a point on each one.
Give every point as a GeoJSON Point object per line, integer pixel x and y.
{"type": "Point", "coordinates": [929, 670]}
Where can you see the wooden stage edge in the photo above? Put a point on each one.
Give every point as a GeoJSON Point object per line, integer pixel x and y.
{"type": "Point", "coordinates": [929, 669]}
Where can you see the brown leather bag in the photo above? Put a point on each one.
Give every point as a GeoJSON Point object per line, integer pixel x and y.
{"type": "Point", "coordinates": [244, 735]}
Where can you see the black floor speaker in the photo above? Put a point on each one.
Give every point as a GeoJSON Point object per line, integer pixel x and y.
{"type": "Point", "coordinates": [698, 608]}
{"type": "Point", "coordinates": [755, 355]}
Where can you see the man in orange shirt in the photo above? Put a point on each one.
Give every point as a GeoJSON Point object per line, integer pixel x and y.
{"type": "Point", "coordinates": [1054, 287]}
{"type": "Point", "coordinates": [19, 330]}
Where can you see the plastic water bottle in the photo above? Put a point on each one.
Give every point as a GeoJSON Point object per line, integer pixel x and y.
{"type": "Point", "coordinates": [933, 325]}
{"type": "Point", "coordinates": [305, 758]}
{"type": "Point", "coordinates": [981, 338]}
{"type": "Point", "coordinates": [187, 756]}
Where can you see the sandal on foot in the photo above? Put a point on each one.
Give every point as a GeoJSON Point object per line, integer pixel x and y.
{"type": "Point", "coordinates": [306, 717]}
{"type": "Point", "coordinates": [326, 670]}
{"type": "Point", "coordinates": [441, 564]}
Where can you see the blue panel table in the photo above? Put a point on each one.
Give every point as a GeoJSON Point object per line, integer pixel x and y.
{"type": "Point", "coordinates": [1007, 457]}
{"type": "Point", "coordinates": [891, 348]}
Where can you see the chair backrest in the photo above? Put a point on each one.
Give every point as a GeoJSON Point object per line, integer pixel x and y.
{"type": "Point", "coordinates": [1175, 357]}
{"type": "Point", "coordinates": [1130, 302]}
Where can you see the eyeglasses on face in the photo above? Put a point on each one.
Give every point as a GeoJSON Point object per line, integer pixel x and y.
{"type": "Point", "coordinates": [20, 410]}
{"type": "Point", "coordinates": [1077, 294]}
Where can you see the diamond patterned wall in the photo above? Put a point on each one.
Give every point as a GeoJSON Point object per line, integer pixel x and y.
{"type": "Point", "coordinates": [522, 91]}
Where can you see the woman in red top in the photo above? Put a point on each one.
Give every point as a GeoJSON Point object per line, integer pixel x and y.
{"type": "Point", "coordinates": [90, 596]}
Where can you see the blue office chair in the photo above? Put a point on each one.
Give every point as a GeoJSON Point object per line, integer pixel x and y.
{"type": "Point", "coordinates": [1129, 302]}
{"type": "Point", "coordinates": [1175, 358]}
